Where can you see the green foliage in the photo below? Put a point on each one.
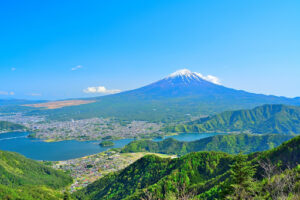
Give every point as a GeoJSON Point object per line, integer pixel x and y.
{"type": "Point", "coordinates": [278, 184]}
{"type": "Point", "coordinates": [234, 143]}
{"type": "Point", "coordinates": [202, 175]}
{"type": "Point", "coordinates": [9, 126]}
{"type": "Point", "coordinates": [142, 173]}
{"type": "Point", "coordinates": [67, 196]}
{"type": "Point", "coordinates": [108, 143]}
{"type": "Point", "coordinates": [286, 155]}
{"type": "Point", "coordinates": [263, 119]}
{"type": "Point", "coordinates": [29, 193]}
{"type": "Point", "coordinates": [241, 182]}
{"type": "Point", "coordinates": [22, 177]}
{"type": "Point", "coordinates": [161, 176]}
{"type": "Point", "coordinates": [18, 170]}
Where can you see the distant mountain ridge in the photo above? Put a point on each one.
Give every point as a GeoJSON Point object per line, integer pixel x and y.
{"type": "Point", "coordinates": [11, 102]}
{"type": "Point", "coordinates": [233, 144]}
{"type": "Point", "coordinates": [262, 119]}
{"type": "Point", "coordinates": [175, 98]}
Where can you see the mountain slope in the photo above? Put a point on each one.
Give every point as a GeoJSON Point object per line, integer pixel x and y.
{"type": "Point", "coordinates": [22, 178]}
{"type": "Point", "coordinates": [9, 126]}
{"type": "Point", "coordinates": [288, 154]}
{"type": "Point", "coordinates": [176, 97]}
{"type": "Point", "coordinates": [151, 171]}
{"type": "Point", "coordinates": [200, 174]}
{"type": "Point", "coordinates": [263, 119]}
{"type": "Point", "coordinates": [226, 143]}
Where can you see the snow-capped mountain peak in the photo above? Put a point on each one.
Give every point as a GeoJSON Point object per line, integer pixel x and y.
{"type": "Point", "coordinates": [187, 76]}
{"type": "Point", "coordinates": [182, 72]}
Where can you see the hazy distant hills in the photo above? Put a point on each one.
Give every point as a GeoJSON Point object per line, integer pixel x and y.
{"type": "Point", "coordinates": [11, 102]}
{"type": "Point", "coordinates": [176, 97]}
{"type": "Point", "coordinates": [263, 119]}
{"type": "Point", "coordinates": [15, 105]}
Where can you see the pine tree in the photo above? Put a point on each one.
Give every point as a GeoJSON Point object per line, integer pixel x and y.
{"type": "Point", "coordinates": [67, 196]}
{"type": "Point", "coordinates": [241, 183]}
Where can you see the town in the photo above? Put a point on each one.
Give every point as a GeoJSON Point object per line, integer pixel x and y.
{"type": "Point", "coordinates": [84, 129]}
{"type": "Point", "coordinates": [88, 169]}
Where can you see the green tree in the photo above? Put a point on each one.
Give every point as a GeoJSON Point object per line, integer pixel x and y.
{"type": "Point", "coordinates": [241, 184]}
{"type": "Point", "coordinates": [67, 196]}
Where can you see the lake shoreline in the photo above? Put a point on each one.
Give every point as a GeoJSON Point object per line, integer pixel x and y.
{"type": "Point", "coordinates": [15, 131]}
{"type": "Point", "coordinates": [38, 149]}
{"type": "Point", "coordinates": [120, 138]}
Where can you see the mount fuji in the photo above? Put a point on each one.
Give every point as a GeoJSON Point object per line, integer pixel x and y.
{"type": "Point", "coordinates": [182, 83]}
{"type": "Point", "coordinates": [179, 96]}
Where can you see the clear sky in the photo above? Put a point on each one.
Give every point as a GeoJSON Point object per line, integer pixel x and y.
{"type": "Point", "coordinates": [57, 49]}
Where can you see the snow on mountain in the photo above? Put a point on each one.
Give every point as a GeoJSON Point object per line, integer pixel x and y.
{"type": "Point", "coordinates": [181, 83]}
{"type": "Point", "coordinates": [182, 72]}
{"type": "Point", "coordinates": [173, 98]}
{"type": "Point", "coordinates": [187, 75]}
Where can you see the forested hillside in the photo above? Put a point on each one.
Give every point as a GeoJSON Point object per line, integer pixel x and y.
{"type": "Point", "coordinates": [263, 119]}
{"type": "Point", "coordinates": [22, 178]}
{"type": "Point", "coordinates": [234, 143]}
{"type": "Point", "coordinates": [273, 174]}
{"type": "Point", "coordinates": [9, 126]}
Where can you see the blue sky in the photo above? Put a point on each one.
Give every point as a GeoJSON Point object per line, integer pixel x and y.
{"type": "Point", "coordinates": [252, 45]}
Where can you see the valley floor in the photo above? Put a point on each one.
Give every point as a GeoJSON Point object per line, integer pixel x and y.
{"type": "Point", "coordinates": [88, 169]}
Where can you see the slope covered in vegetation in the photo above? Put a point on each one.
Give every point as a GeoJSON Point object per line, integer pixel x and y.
{"type": "Point", "coordinates": [22, 178]}
{"type": "Point", "coordinates": [9, 126]}
{"type": "Point", "coordinates": [205, 175]}
{"type": "Point", "coordinates": [232, 144]}
{"type": "Point", "coordinates": [263, 119]}
{"type": "Point", "coordinates": [159, 174]}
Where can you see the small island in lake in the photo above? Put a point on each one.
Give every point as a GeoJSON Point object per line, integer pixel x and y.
{"type": "Point", "coordinates": [106, 144]}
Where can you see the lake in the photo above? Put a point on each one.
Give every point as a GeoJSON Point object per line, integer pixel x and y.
{"type": "Point", "coordinates": [188, 137]}
{"type": "Point", "coordinates": [54, 151]}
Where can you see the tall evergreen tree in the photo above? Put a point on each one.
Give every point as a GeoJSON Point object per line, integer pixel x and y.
{"type": "Point", "coordinates": [241, 185]}
{"type": "Point", "coordinates": [67, 196]}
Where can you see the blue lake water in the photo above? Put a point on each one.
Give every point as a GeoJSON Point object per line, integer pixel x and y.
{"type": "Point", "coordinates": [188, 137]}
{"type": "Point", "coordinates": [39, 150]}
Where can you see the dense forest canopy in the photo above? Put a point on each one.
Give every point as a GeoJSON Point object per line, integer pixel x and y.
{"type": "Point", "coordinates": [22, 178]}
{"type": "Point", "coordinates": [205, 175]}
{"type": "Point", "coordinates": [233, 143]}
{"type": "Point", "coordinates": [9, 126]}
{"type": "Point", "coordinates": [281, 119]}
